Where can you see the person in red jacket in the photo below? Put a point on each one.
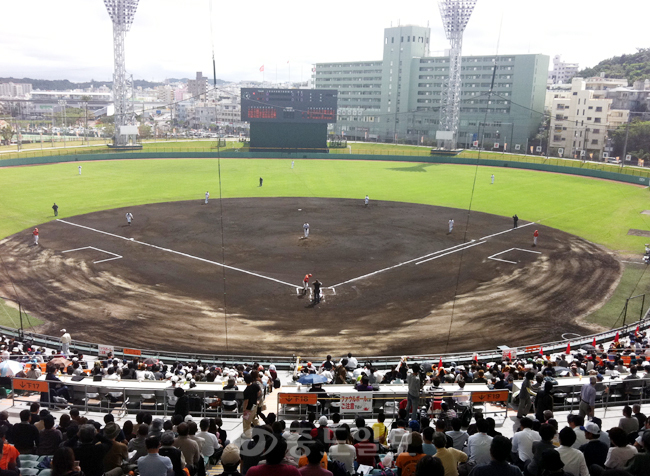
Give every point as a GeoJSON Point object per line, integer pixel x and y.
{"type": "Point", "coordinates": [35, 233]}
{"type": "Point", "coordinates": [535, 235]}
{"type": "Point", "coordinates": [305, 283]}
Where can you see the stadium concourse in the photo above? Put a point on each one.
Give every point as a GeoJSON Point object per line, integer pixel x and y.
{"type": "Point", "coordinates": [248, 425]}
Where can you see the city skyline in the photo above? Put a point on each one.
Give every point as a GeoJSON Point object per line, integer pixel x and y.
{"type": "Point", "coordinates": [73, 40]}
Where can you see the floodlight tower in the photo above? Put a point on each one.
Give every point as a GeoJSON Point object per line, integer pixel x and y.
{"type": "Point", "coordinates": [455, 15]}
{"type": "Point", "coordinates": [122, 13]}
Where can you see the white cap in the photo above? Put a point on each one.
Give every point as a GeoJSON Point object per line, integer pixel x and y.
{"type": "Point", "coordinates": [63, 330]}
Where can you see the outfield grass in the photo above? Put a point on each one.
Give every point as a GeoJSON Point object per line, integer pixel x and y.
{"type": "Point", "coordinates": [598, 210]}
{"type": "Point", "coordinates": [635, 281]}
{"type": "Point", "coordinates": [9, 317]}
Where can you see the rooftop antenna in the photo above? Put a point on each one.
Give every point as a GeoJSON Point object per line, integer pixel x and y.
{"type": "Point", "coordinates": [455, 15]}
{"type": "Point", "coordinates": [122, 13]}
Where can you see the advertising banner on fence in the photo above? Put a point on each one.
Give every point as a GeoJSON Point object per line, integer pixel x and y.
{"type": "Point", "coordinates": [104, 350]}
{"type": "Point", "coordinates": [356, 403]}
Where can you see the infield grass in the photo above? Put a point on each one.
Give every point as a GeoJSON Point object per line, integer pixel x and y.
{"type": "Point", "coordinates": [9, 317]}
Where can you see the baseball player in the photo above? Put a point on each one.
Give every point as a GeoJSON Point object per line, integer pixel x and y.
{"type": "Point", "coordinates": [261, 181]}
{"type": "Point", "coordinates": [292, 164]}
{"type": "Point", "coordinates": [80, 170]}
{"type": "Point", "coordinates": [129, 217]}
{"type": "Point", "coordinates": [207, 195]}
{"type": "Point", "coordinates": [451, 225]}
{"type": "Point", "coordinates": [35, 233]}
{"type": "Point", "coordinates": [492, 180]}
{"type": "Point", "coordinates": [305, 229]}
{"type": "Point", "coordinates": [55, 207]}
{"type": "Point", "coordinates": [366, 200]}
{"type": "Point", "coordinates": [305, 283]}
{"type": "Point", "coordinates": [515, 219]}
{"type": "Point", "coordinates": [535, 235]}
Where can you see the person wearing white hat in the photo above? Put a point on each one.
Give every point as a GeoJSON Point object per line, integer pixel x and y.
{"type": "Point", "coordinates": [65, 342]}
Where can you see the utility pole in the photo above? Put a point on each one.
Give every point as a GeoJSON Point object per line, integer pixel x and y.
{"type": "Point", "coordinates": [627, 133]}
{"type": "Point", "coordinates": [84, 104]}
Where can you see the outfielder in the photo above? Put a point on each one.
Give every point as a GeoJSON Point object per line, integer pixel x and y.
{"type": "Point", "coordinates": [129, 217]}
{"type": "Point", "coordinates": [305, 283]}
{"type": "Point", "coordinates": [451, 225]}
{"type": "Point", "coordinates": [80, 170]}
{"type": "Point", "coordinates": [492, 180]}
{"type": "Point", "coordinates": [305, 229]}
{"type": "Point", "coordinates": [35, 233]}
{"type": "Point", "coordinates": [292, 164]}
{"type": "Point", "coordinates": [207, 195]}
{"type": "Point", "coordinates": [535, 235]}
{"type": "Point", "coordinates": [366, 200]}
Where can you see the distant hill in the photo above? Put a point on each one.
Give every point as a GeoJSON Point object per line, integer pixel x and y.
{"type": "Point", "coordinates": [632, 67]}
{"type": "Point", "coordinates": [63, 84]}
{"type": "Point", "coordinates": [184, 80]}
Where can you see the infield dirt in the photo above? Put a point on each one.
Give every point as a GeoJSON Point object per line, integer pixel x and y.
{"type": "Point", "coordinates": [167, 291]}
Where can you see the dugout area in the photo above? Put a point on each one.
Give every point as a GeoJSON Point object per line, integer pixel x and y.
{"type": "Point", "coordinates": [395, 278]}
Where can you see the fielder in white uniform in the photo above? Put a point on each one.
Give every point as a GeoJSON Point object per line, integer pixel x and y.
{"type": "Point", "coordinates": [305, 228]}
{"type": "Point", "coordinates": [80, 170]}
{"type": "Point", "coordinates": [366, 200]}
{"type": "Point", "coordinates": [207, 195]}
{"type": "Point", "coordinates": [292, 164]}
{"type": "Point", "coordinates": [129, 217]}
{"type": "Point", "coordinates": [492, 179]}
{"type": "Point", "coordinates": [451, 225]}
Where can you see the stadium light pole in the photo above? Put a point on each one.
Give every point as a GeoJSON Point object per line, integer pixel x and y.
{"type": "Point", "coordinates": [122, 13]}
{"type": "Point", "coordinates": [63, 104]}
{"type": "Point", "coordinates": [455, 16]}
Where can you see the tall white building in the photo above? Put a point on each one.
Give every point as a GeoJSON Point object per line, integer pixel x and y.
{"type": "Point", "coordinates": [580, 120]}
{"type": "Point", "coordinates": [562, 72]}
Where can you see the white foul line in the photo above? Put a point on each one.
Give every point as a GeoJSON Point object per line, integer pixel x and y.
{"type": "Point", "coordinates": [508, 230]}
{"type": "Point", "coordinates": [179, 253]}
{"type": "Point", "coordinates": [398, 265]}
{"type": "Point", "coordinates": [450, 252]}
{"type": "Point", "coordinates": [96, 249]}
{"type": "Point", "coordinates": [511, 249]}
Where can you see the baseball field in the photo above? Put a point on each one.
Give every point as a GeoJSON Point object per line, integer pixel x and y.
{"type": "Point", "coordinates": [224, 276]}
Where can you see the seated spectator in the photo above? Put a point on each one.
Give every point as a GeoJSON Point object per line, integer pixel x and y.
{"type": "Point", "coordinates": [574, 460]}
{"type": "Point", "coordinates": [24, 434]}
{"type": "Point", "coordinates": [274, 466]}
{"type": "Point", "coordinates": [367, 450]}
{"type": "Point", "coordinates": [34, 372]}
{"type": "Point", "coordinates": [428, 448]}
{"type": "Point", "coordinates": [59, 393]}
{"type": "Point", "coordinates": [628, 423]}
{"type": "Point", "coordinates": [117, 453]}
{"type": "Point", "coordinates": [364, 385]}
{"type": "Point", "coordinates": [9, 453]}
{"type": "Point", "coordinates": [395, 435]}
{"type": "Point", "coordinates": [49, 438]}
{"type": "Point", "coordinates": [500, 449]}
{"type": "Point", "coordinates": [91, 450]}
{"type": "Point", "coordinates": [407, 461]}
{"type": "Point", "coordinates": [210, 441]}
{"type": "Point", "coordinates": [315, 457]}
{"type": "Point", "coordinates": [152, 464]}
{"type": "Point", "coordinates": [620, 452]}
{"type": "Point", "coordinates": [324, 434]}
{"type": "Point", "coordinates": [63, 463]}
{"type": "Point", "coordinates": [543, 401]}
{"type": "Point", "coordinates": [138, 444]}
{"type": "Point", "coordinates": [174, 454]}
{"type": "Point", "coordinates": [450, 457]}
{"type": "Point", "coordinates": [595, 451]}
{"type": "Point", "coordinates": [641, 418]}
{"type": "Point", "coordinates": [379, 430]}
{"type": "Point", "coordinates": [230, 461]}
{"type": "Point", "coordinates": [576, 423]}
{"type": "Point", "coordinates": [429, 466]}
{"type": "Point", "coordinates": [639, 464]}
{"type": "Point", "coordinates": [522, 442]}
{"type": "Point", "coordinates": [546, 433]}
{"type": "Point", "coordinates": [552, 464]}
{"type": "Point", "coordinates": [343, 452]}
{"type": "Point", "coordinates": [441, 426]}
{"type": "Point", "coordinates": [478, 445]}
{"type": "Point", "coordinates": [457, 435]}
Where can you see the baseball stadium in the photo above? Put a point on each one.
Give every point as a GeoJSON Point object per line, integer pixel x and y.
{"type": "Point", "coordinates": [225, 277]}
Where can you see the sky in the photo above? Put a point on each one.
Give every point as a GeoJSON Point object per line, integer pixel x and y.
{"type": "Point", "coordinates": [72, 39]}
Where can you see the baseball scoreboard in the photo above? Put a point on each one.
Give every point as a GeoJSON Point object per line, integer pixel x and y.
{"type": "Point", "coordinates": [307, 106]}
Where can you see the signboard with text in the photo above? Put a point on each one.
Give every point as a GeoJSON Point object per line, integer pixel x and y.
{"type": "Point", "coordinates": [356, 403]}
{"type": "Point", "coordinates": [298, 398]}
{"type": "Point", "coordinates": [29, 385]}
{"type": "Point", "coordinates": [496, 396]}
{"type": "Point", "coordinates": [104, 350]}
{"type": "Point", "coordinates": [131, 352]}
